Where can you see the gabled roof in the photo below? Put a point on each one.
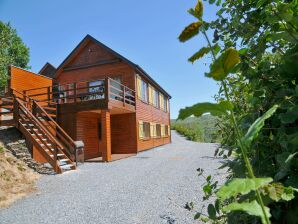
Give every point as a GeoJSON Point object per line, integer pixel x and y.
{"type": "Point", "coordinates": [88, 38]}
{"type": "Point", "coordinates": [48, 70]}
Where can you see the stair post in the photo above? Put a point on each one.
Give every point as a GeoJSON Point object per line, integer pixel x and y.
{"type": "Point", "coordinates": [16, 112]}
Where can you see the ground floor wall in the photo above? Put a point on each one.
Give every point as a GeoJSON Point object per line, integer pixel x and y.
{"type": "Point", "coordinates": [87, 128]}
{"type": "Point", "coordinates": [123, 133]}
{"type": "Point", "coordinates": [148, 113]}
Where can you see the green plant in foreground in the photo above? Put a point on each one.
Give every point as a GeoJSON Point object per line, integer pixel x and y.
{"type": "Point", "coordinates": [240, 194]}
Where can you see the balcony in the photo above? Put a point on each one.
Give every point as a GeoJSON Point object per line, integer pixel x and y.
{"type": "Point", "coordinates": [86, 95]}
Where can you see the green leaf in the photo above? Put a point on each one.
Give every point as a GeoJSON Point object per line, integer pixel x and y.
{"type": "Point", "coordinates": [199, 54]}
{"type": "Point", "coordinates": [197, 216]}
{"type": "Point", "coordinates": [211, 211]}
{"type": "Point", "coordinates": [243, 51]}
{"type": "Point", "coordinates": [202, 52]}
{"type": "Point", "coordinates": [284, 160]}
{"type": "Point", "coordinates": [288, 194]}
{"type": "Point", "coordinates": [251, 208]}
{"type": "Point", "coordinates": [199, 8]}
{"type": "Point", "coordinates": [241, 186]}
{"type": "Point", "coordinates": [223, 65]}
{"type": "Point", "coordinates": [201, 108]}
{"type": "Point", "coordinates": [290, 116]}
{"type": "Point", "coordinates": [190, 31]}
{"type": "Point", "coordinates": [255, 128]}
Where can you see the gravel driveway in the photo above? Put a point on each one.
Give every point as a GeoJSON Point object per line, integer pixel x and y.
{"type": "Point", "coordinates": [151, 187]}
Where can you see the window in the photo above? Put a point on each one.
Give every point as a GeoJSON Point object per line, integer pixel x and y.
{"type": "Point", "coordinates": [155, 98]}
{"type": "Point", "coordinates": [150, 95]}
{"type": "Point", "coordinates": [158, 130]}
{"type": "Point", "coordinates": [144, 89]}
{"type": "Point", "coordinates": [165, 104]}
{"type": "Point", "coordinates": [163, 131]}
{"type": "Point", "coordinates": [161, 101]}
{"type": "Point", "coordinates": [144, 130]}
{"type": "Point", "coordinates": [166, 130]}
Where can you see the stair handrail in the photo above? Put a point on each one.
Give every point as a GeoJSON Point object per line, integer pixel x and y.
{"type": "Point", "coordinates": [70, 143]}
{"type": "Point", "coordinates": [27, 112]}
{"type": "Point", "coordinates": [49, 134]}
{"type": "Point", "coordinates": [59, 131]}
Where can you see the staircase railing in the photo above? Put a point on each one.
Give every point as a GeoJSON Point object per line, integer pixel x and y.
{"type": "Point", "coordinates": [69, 144]}
{"type": "Point", "coordinates": [24, 118]}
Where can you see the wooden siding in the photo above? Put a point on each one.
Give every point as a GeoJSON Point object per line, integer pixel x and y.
{"type": "Point", "coordinates": [91, 54]}
{"type": "Point", "coordinates": [67, 121]}
{"type": "Point", "coordinates": [21, 79]}
{"type": "Point", "coordinates": [148, 113]}
{"type": "Point", "coordinates": [87, 131]}
{"type": "Point", "coordinates": [123, 133]}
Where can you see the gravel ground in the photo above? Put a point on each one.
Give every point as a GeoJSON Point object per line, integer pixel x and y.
{"type": "Point", "coordinates": [151, 187]}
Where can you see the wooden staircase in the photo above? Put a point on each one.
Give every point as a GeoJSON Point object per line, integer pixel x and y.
{"type": "Point", "coordinates": [37, 123]}
{"type": "Point", "coordinates": [6, 112]}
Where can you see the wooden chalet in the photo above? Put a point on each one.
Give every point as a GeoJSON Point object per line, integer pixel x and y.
{"type": "Point", "coordinates": [96, 103]}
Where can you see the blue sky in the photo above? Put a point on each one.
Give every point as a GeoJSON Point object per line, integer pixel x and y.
{"type": "Point", "coordinates": [143, 31]}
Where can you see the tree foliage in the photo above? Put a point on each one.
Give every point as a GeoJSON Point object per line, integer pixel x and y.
{"type": "Point", "coordinates": [260, 80]}
{"type": "Point", "coordinates": [12, 51]}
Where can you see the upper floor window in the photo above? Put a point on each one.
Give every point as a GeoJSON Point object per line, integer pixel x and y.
{"type": "Point", "coordinates": [165, 104]}
{"type": "Point", "coordinates": [155, 98]}
{"type": "Point", "coordinates": [142, 89]}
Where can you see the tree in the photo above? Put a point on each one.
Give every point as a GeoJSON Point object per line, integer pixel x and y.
{"type": "Point", "coordinates": [12, 52]}
{"type": "Point", "coordinates": [255, 52]}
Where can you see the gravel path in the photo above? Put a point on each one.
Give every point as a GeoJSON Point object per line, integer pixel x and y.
{"type": "Point", "coordinates": [151, 187]}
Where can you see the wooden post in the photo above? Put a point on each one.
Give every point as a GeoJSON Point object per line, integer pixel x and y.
{"type": "Point", "coordinates": [106, 135]}
{"type": "Point", "coordinates": [16, 112]}
{"type": "Point", "coordinates": [49, 95]}
{"type": "Point", "coordinates": [24, 95]}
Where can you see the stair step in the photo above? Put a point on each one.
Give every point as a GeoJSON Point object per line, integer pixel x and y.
{"type": "Point", "coordinates": [34, 129]}
{"type": "Point", "coordinates": [6, 100]}
{"type": "Point", "coordinates": [50, 108]}
{"type": "Point", "coordinates": [63, 160]}
{"type": "Point", "coordinates": [59, 154]}
{"type": "Point", "coordinates": [37, 139]}
{"type": "Point", "coordinates": [48, 144]}
{"type": "Point", "coordinates": [31, 125]}
{"type": "Point", "coordinates": [37, 134]}
{"type": "Point", "coordinates": [67, 166]}
{"type": "Point", "coordinates": [6, 105]}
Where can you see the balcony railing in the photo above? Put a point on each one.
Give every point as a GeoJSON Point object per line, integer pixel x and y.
{"type": "Point", "coordinates": [76, 92]}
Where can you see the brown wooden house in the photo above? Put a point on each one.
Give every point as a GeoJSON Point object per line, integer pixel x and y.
{"type": "Point", "coordinates": [96, 96]}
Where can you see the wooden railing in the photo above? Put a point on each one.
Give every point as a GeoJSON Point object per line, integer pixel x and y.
{"type": "Point", "coordinates": [24, 120]}
{"type": "Point", "coordinates": [68, 144]}
{"type": "Point", "coordinates": [107, 89]}
{"type": "Point", "coordinates": [65, 143]}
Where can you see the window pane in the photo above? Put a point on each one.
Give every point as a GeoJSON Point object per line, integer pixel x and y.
{"type": "Point", "coordinates": [144, 91]}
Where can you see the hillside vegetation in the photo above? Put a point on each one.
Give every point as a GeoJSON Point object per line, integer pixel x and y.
{"type": "Point", "coordinates": [199, 129]}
